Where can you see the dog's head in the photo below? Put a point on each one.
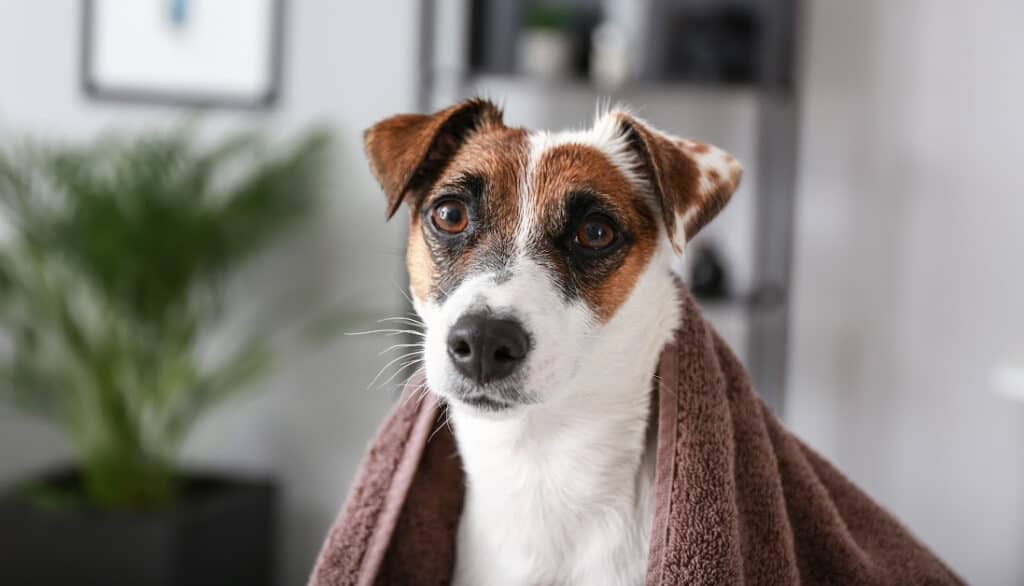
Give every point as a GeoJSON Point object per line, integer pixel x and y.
{"type": "Point", "coordinates": [530, 253]}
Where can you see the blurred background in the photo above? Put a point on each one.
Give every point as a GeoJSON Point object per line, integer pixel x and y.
{"type": "Point", "coordinates": [865, 271]}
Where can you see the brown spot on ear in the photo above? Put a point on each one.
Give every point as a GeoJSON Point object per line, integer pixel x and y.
{"type": "Point", "coordinates": [408, 151]}
{"type": "Point", "coordinates": [674, 176]}
{"type": "Point", "coordinates": [691, 180]}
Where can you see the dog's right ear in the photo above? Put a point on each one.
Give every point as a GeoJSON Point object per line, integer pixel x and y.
{"type": "Point", "coordinates": [692, 181]}
{"type": "Point", "coordinates": [407, 152]}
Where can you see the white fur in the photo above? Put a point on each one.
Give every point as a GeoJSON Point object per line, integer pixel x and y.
{"type": "Point", "coordinates": [560, 490]}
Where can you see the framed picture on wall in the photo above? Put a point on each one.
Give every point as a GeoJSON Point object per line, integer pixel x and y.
{"type": "Point", "coordinates": [188, 52]}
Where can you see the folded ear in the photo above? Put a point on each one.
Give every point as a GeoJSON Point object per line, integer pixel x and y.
{"type": "Point", "coordinates": [691, 180]}
{"type": "Point", "coordinates": [407, 152]}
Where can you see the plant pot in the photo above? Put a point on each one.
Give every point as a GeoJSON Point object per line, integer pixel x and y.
{"type": "Point", "coordinates": [220, 533]}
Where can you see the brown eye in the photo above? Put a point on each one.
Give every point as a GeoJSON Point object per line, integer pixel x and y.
{"type": "Point", "coordinates": [595, 232]}
{"type": "Point", "coordinates": [450, 215]}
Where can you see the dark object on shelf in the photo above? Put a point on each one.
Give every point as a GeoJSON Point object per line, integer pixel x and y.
{"type": "Point", "coordinates": [496, 26]}
{"type": "Point", "coordinates": [712, 45]}
{"type": "Point", "coordinates": [221, 533]}
{"type": "Point", "coordinates": [708, 277]}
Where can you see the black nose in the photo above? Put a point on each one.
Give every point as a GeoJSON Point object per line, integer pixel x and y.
{"type": "Point", "coordinates": [485, 348]}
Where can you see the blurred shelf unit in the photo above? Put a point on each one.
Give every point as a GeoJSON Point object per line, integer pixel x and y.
{"type": "Point", "coordinates": [721, 71]}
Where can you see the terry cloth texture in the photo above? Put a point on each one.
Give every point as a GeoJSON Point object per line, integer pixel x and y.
{"type": "Point", "coordinates": [739, 500]}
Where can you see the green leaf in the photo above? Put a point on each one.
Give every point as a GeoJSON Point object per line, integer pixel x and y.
{"type": "Point", "coordinates": [112, 278]}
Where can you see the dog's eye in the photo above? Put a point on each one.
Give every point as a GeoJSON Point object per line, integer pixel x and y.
{"type": "Point", "coordinates": [450, 215]}
{"type": "Point", "coordinates": [595, 232]}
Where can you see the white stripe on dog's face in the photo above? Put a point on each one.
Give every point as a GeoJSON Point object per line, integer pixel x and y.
{"type": "Point", "coordinates": [535, 205]}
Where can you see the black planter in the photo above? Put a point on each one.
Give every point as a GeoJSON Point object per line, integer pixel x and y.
{"type": "Point", "coordinates": [221, 533]}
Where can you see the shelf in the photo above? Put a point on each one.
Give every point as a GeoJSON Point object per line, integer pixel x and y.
{"type": "Point", "coordinates": [584, 85]}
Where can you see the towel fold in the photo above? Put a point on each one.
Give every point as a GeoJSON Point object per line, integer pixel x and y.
{"type": "Point", "coordinates": [739, 500]}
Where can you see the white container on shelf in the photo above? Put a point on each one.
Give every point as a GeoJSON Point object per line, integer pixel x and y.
{"type": "Point", "coordinates": [610, 57]}
{"type": "Point", "coordinates": [544, 53]}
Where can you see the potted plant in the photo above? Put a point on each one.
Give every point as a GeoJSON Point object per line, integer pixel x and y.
{"type": "Point", "coordinates": [545, 45]}
{"type": "Point", "coordinates": [111, 273]}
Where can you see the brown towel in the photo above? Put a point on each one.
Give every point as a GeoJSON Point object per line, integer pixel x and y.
{"type": "Point", "coordinates": [738, 499]}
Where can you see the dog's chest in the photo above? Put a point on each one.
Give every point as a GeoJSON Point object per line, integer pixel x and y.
{"type": "Point", "coordinates": [572, 513]}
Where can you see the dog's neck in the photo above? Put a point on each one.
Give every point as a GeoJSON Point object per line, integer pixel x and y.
{"type": "Point", "coordinates": [551, 479]}
{"type": "Point", "coordinates": [595, 432]}
{"type": "Point", "coordinates": [562, 494]}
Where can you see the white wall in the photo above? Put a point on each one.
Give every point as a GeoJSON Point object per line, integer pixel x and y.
{"type": "Point", "coordinates": [909, 252]}
{"type": "Point", "coordinates": [347, 64]}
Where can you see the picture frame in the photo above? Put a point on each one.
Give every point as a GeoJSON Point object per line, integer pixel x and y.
{"type": "Point", "coordinates": [174, 52]}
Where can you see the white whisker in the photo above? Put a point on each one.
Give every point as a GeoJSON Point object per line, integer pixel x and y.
{"type": "Point", "coordinates": [419, 392]}
{"type": "Point", "coordinates": [446, 418]}
{"type": "Point", "coordinates": [385, 367]}
{"type": "Point", "coordinates": [403, 292]}
{"type": "Point", "coordinates": [400, 369]}
{"type": "Point", "coordinates": [403, 319]}
{"type": "Point", "coordinates": [395, 346]}
{"type": "Point", "coordinates": [387, 332]}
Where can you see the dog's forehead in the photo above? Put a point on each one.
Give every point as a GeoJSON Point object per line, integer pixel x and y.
{"type": "Point", "coordinates": [542, 168]}
{"type": "Point", "coordinates": [498, 155]}
{"type": "Point", "coordinates": [568, 168]}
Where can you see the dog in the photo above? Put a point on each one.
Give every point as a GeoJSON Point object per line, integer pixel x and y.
{"type": "Point", "coordinates": [545, 267]}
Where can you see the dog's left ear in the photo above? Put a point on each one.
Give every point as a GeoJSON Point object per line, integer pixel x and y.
{"type": "Point", "coordinates": [408, 151]}
{"type": "Point", "coordinates": [691, 180]}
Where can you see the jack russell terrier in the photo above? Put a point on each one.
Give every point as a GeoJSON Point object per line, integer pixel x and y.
{"type": "Point", "coordinates": [543, 267]}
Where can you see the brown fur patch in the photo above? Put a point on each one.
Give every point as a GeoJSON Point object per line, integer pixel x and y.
{"type": "Point", "coordinates": [613, 292]}
{"type": "Point", "coordinates": [497, 156]}
{"type": "Point", "coordinates": [570, 168]}
{"type": "Point", "coordinates": [500, 158]}
{"type": "Point", "coordinates": [422, 271]}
